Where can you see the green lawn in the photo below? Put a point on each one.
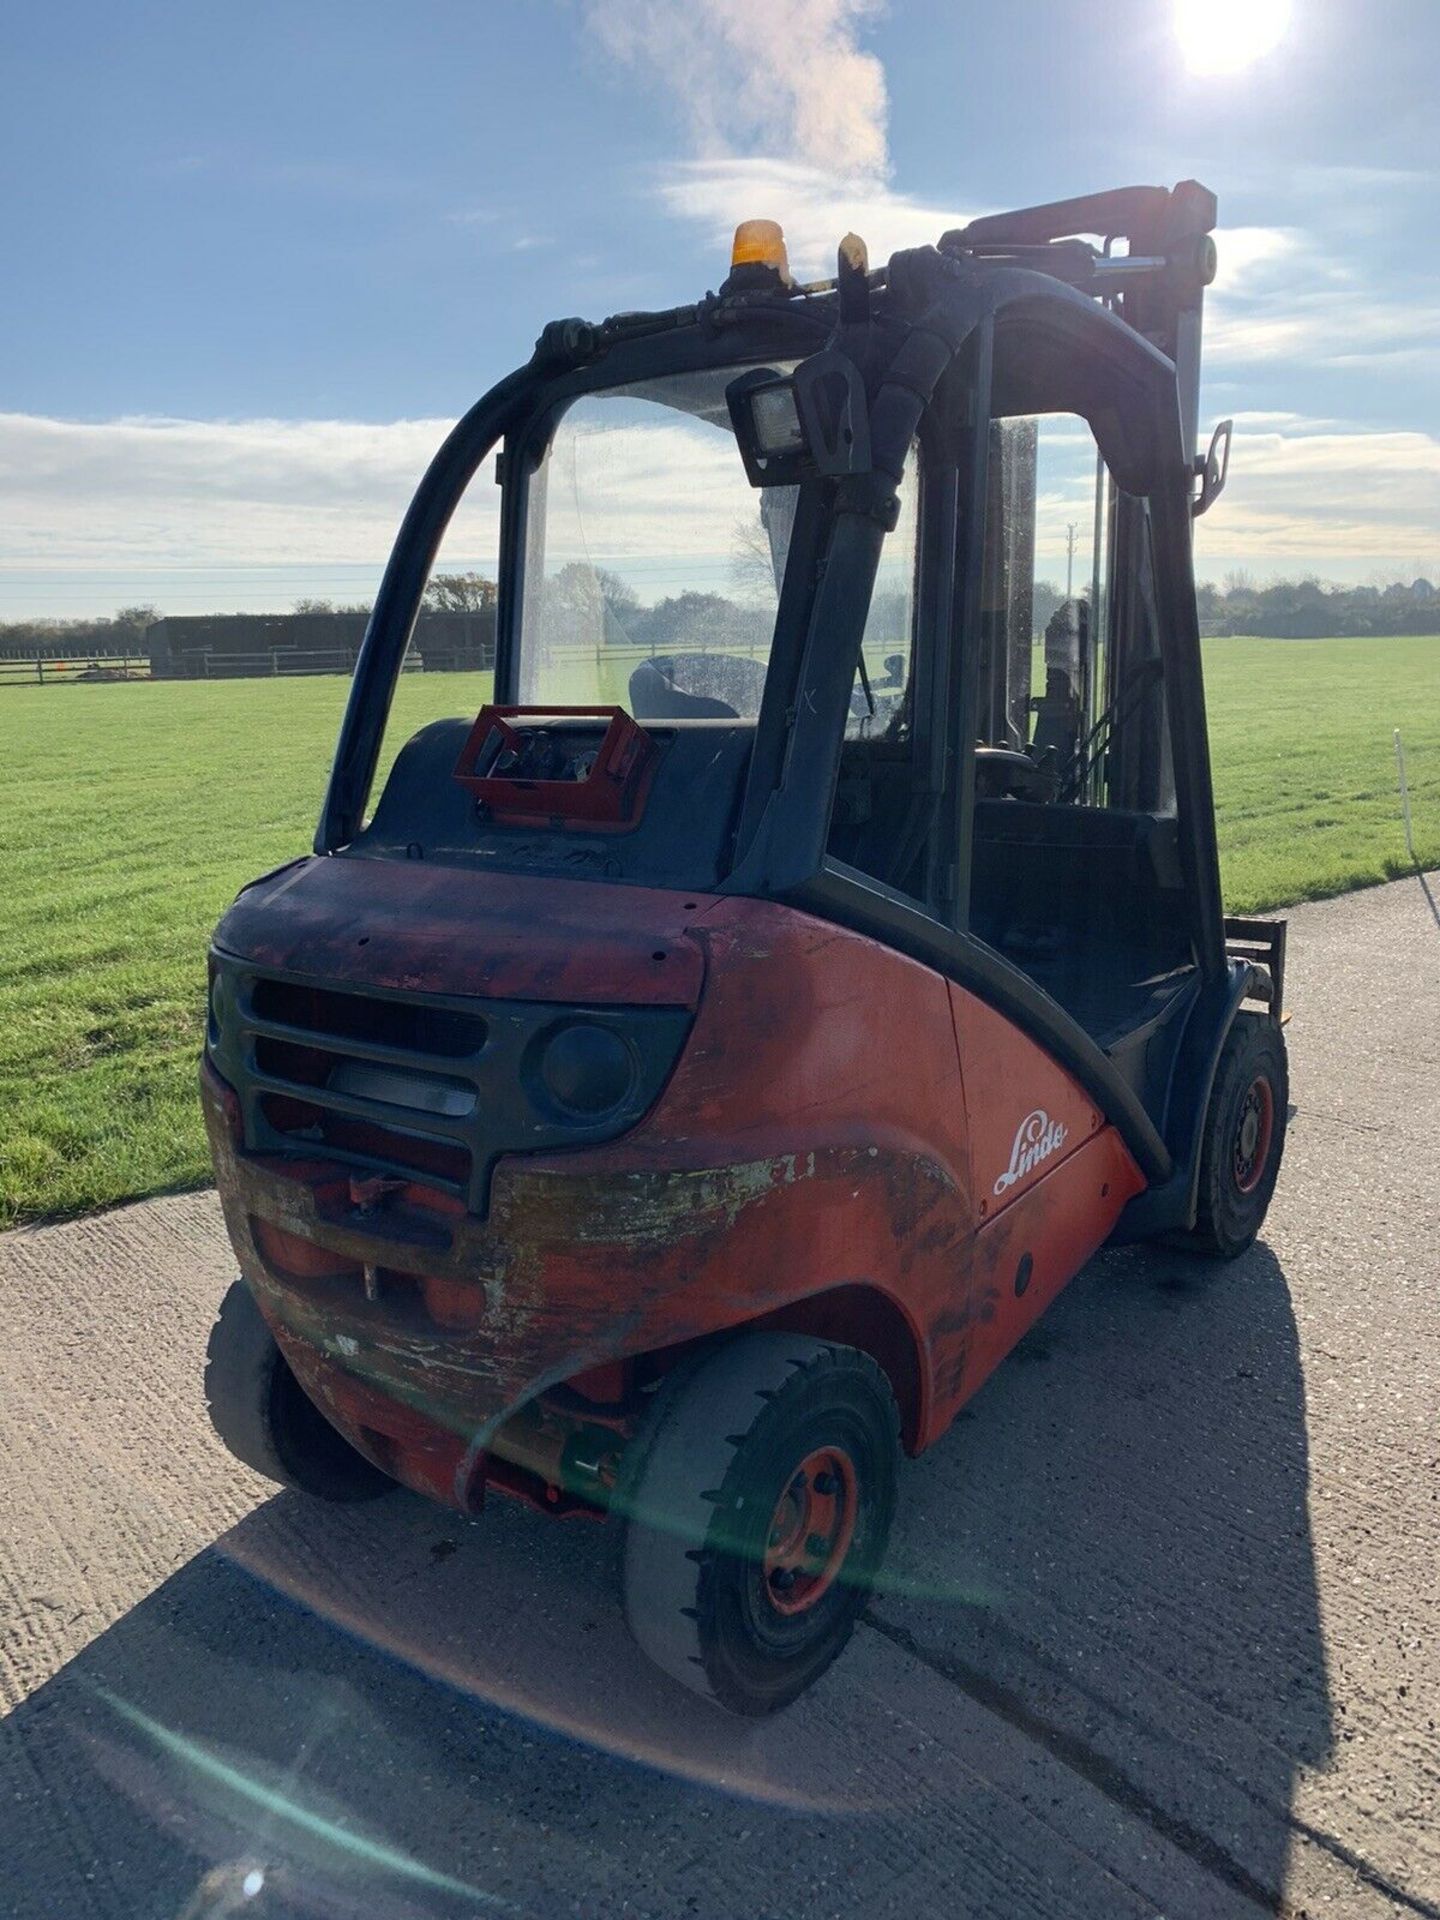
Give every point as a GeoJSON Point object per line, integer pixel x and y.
{"type": "Point", "coordinates": [1301, 739]}
{"type": "Point", "coordinates": [134, 812]}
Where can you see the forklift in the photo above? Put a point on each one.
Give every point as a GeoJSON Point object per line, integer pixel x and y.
{"type": "Point", "coordinates": [669, 1093]}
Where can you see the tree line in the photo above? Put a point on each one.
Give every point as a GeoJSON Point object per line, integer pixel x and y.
{"type": "Point", "coordinates": [595, 601]}
{"type": "Point", "coordinates": [1311, 610]}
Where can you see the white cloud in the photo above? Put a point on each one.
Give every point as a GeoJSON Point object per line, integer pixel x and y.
{"type": "Point", "coordinates": [1313, 496]}
{"type": "Point", "coordinates": [1335, 327]}
{"type": "Point", "coordinates": [196, 515]}
{"type": "Point", "coordinates": [1338, 180]}
{"type": "Point", "coordinates": [786, 73]}
{"type": "Point", "coordinates": [785, 117]}
{"type": "Point", "coordinates": [159, 492]}
{"type": "Point", "coordinates": [214, 504]}
{"type": "Point", "coordinates": [201, 516]}
{"type": "Point", "coordinates": [1282, 295]}
{"type": "Point", "coordinates": [1245, 252]}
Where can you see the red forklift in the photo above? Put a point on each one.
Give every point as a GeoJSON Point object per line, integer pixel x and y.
{"type": "Point", "coordinates": [669, 1093]}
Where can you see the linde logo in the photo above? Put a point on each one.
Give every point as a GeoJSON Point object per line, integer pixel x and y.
{"type": "Point", "coordinates": [1036, 1138]}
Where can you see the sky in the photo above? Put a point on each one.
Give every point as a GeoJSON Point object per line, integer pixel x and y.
{"type": "Point", "coordinates": [259, 259]}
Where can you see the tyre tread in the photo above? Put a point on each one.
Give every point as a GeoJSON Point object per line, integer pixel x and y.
{"type": "Point", "coordinates": [1254, 1041]}
{"type": "Point", "coordinates": [689, 1444]}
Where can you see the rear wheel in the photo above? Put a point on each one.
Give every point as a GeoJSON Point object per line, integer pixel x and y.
{"type": "Point", "coordinates": [1244, 1137]}
{"type": "Point", "coordinates": [266, 1418]}
{"type": "Point", "coordinates": [758, 1502]}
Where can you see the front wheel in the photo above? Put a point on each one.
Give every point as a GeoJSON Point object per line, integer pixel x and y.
{"type": "Point", "coordinates": [758, 1501]}
{"type": "Point", "coordinates": [1244, 1137]}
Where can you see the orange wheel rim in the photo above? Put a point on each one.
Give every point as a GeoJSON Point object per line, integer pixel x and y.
{"type": "Point", "coordinates": [1254, 1131]}
{"type": "Point", "coordinates": [811, 1530]}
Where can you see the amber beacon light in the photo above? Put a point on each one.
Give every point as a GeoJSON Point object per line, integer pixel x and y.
{"type": "Point", "coordinates": [760, 243]}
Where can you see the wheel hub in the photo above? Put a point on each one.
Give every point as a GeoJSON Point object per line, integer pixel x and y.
{"type": "Point", "coordinates": [1253, 1133]}
{"type": "Point", "coordinates": [811, 1530]}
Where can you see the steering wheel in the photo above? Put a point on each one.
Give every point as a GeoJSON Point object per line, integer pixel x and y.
{"type": "Point", "coordinates": [1005, 773]}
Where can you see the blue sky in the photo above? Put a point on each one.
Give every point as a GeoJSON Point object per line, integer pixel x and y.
{"type": "Point", "coordinates": [258, 258]}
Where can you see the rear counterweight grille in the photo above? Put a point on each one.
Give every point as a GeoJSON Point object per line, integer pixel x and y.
{"type": "Point", "coordinates": [387, 1083]}
{"type": "Point", "coordinates": [412, 1086]}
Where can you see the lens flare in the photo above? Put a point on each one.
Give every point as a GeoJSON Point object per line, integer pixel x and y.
{"type": "Point", "coordinates": [282, 1809]}
{"type": "Point", "coordinates": [1226, 36]}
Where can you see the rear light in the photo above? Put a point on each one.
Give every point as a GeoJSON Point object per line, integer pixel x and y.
{"type": "Point", "coordinates": [585, 1069]}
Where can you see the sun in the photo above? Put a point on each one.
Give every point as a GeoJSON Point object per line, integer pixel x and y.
{"type": "Point", "coordinates": [1224, 36]}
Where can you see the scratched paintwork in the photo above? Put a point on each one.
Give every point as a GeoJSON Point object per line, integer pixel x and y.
{"type": "Point", "coordinates": [816, 1135]}
{"type": "Point", "coordinates": [415, 926]}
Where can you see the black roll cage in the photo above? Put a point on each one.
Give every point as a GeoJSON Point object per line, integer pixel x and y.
{"type": "Point", "coordinates": [930, 359]}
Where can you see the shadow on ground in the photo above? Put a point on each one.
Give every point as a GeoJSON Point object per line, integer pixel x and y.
{"type": "Point", "coordinates": [392, 1711]}
{"type": "Point", "coordinates": [1128, 1502]}
{"type": "Point", "coordinates": [1429, 896]}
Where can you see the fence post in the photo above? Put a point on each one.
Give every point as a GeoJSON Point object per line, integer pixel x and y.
{"type": "Point", "coordinates": [1405, 798]}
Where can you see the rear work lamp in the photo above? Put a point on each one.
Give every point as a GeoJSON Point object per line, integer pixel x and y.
{"type": "Point", "coordinates": [776, 420]}
{"type": "Point", "coordinates": [812, 421]}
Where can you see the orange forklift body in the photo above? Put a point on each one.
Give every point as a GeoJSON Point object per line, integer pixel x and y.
{"type": "Point", "coordinates": [922, 1185]}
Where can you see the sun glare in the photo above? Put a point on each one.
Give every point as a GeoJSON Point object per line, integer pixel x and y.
{"type": "Point", "coordinates": [1224, 36]}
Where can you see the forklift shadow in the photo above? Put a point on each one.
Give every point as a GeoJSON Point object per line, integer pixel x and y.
{"type": "Point", "coordinates": [1114, 1550]}
{"type": "Point", "coordinates": [385, 1708]}
{"type": "Point", "coordinates": [382, 1709]}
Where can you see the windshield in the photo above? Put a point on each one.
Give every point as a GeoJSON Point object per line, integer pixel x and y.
{"type": "Point", "coordinates": [649, 580]}
{"type": "Point", "coordinates": [652, 566]}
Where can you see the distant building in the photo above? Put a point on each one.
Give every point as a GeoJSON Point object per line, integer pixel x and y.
{"type": "Point", "coordinates": [252, 645]}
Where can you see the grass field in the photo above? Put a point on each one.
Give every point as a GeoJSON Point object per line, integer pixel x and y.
{"type": "Point", "coordinates": [134, 812]}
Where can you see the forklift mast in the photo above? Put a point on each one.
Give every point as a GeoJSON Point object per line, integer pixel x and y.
{"type": "Point", "coordinates": [1157, 286]}
{"type": "Point", "coordinates": [1100, 648]}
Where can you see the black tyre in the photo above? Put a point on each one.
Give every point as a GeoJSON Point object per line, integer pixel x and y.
{"type": "Point", "coordinates": [758, 1503]}
{"type": "Point", "coordinates": [265, 1417]}
{"type": "Point", "coordinates": [1244, 1137]}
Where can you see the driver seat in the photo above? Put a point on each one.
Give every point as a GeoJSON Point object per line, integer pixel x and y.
{"type": "Point", "coordinates": [655, 696]}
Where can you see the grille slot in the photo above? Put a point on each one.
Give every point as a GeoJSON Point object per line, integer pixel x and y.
{"type": "Point", "coordinates": [395, 1083]}
{"type": "Point", "coordinates": [409, 1026]}
{"type": "Point", "coordinates": [412, 1086]}
{"type": "Point", "coordinates": [368, 1143]}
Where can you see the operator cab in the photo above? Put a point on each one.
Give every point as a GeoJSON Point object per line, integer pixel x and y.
{"type": "Point", "coordinates": [945, 691]}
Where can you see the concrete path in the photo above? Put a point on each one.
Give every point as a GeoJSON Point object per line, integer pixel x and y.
{"type": "Point", "coordinates": [1162, 1637]}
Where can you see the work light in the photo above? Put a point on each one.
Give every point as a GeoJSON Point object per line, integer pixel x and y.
{"type": "Point", "coordinates": [775, 419]}
{"type": "Point", "coordinates": [765, 413]}
{"type": "Point", "coordinates": [812, 421]}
